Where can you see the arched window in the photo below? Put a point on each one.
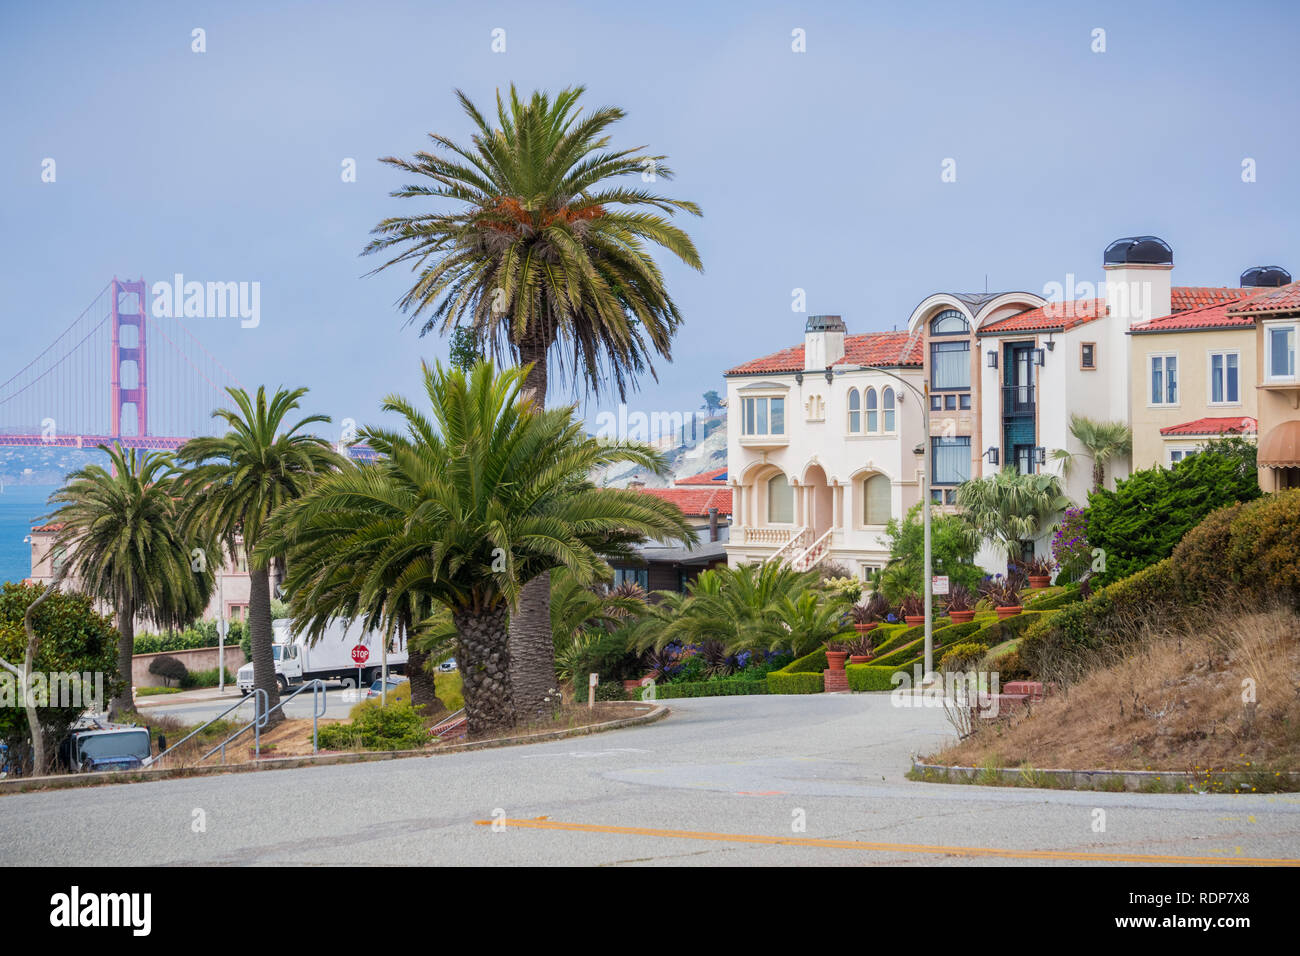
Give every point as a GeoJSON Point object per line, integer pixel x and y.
{"type": "Point", "coordinates": [855, 412]}
{"type": "Point", "coordinates": [949, 322]}
{"type": "Point", "coordinates": [877, 495]}
{"type": "Point", "coordinates": [887, 400]}
{"type": "Point", "coordinates": [873, 416]}
{"type": "Point", "coordinates": [780, 501]}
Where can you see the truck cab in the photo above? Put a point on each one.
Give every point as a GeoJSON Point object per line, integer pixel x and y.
{"type": "Point", "coordinates": [298, 660]}
{"type": "Point", "coordinates": [110, 747]}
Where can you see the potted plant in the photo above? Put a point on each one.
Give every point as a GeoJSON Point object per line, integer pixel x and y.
{"type": "Point", "coordinates": [961, 604]}
{"type": "Point", "coordinates": [912, 610]}
{"type": "Point", "coordinates": [835, 655]}
{"type": "Point", "coordinates": [868, 614]}
{"type": "Point", "coordinates": [1039, 570]}
{"type": "Point", "coordinates": [861, 649]}
{"type": "Point", "coordinates": [1004, 592]}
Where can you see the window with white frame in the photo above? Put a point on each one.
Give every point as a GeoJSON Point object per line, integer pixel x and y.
{"type": "Point", "coordinates": [1279, 351]}
{"type": "Point", "coordinates": [1225, 382]}
{"type": "Point", "coordinates": [763, 416]}
{"type": "Point", "coordinates": [877, 495]}
{"type": "Point", "coordinates": [887, 403]}
{"type": "Point", "coordinates": [873, 414]}
{"type": "Point", "coordinates": [1179, 454]}
{"type": "Point", "coordinates": [780, 500]}
{"type": "Point", "coordinates": [1164, 379]}
{"type": "Point", "coordinates": [855, 411]}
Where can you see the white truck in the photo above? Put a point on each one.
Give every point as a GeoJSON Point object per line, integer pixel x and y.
{"type": "Point", "coordinates": [298, 659]}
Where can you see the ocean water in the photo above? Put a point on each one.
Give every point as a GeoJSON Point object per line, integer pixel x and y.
{"type": "Point", "coordinates": [19, 507]}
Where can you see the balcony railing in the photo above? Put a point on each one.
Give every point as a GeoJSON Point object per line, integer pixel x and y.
{"type": "Point", "coordinates": [1018, 400]}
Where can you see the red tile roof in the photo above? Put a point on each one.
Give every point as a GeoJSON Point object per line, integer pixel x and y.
{"type": "Point", "coordinates": [1184, 297]}
{"type": "Point", "coordinates": [695, 502]}
{"type": "Point", "coordinates": [711, 478]}
{"type": "Point", "coordinates": [1057, 316]}
{"type": "Point", "coordinates": [1282, 299]}
{"type": "Point", "coordinates": [56, 526]}
{"type": "Point", "coordinates": [1214, 426]}
{"type": "Point", "coordinates": [870, 348]}
{"type": "Point", "coordinates": [1217, 316]}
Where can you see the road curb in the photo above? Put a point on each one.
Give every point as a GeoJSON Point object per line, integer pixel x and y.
{"type": "Point", "coordinates": [69, 781]}
{"type": "Point", "coordinates": [1132, 781]}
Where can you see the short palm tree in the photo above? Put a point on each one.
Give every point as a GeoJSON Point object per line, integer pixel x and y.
{"type": "Point", "coordinates": [124, 545]}
{"type": "Point", "coordinates": [1103, 442]}
{"type": "Point", "coordinates": [546, 247]}
{"type": "Point", "coordinates": [806, 622]}
{"type": "Point", "coordinates": [239, 480]}
{"type": "Point", "coordinates": [1010, 507]}
{"type": "Point", "coordinates": [495, 493]}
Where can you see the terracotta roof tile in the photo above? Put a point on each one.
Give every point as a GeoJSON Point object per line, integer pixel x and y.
{"type": "Point", "coordinates": [1214, 426]}
{"type": "Point", "coordinates": [695, 502]}
{"type": "Point", "coordinates": [1282, 299]}
{"type": "Point", "coordinates": [1217, 316]}
{"type": "Point", "coordinates": [56, 526]}
{"type": "Point", "coordinates": [870, 348]}
{"type": "Point", "coordinates": [713, 478]}
{"type": "Point", "coordinates": [1184, 297]}
{"type": "Point", "coordinates": [1050, 315]}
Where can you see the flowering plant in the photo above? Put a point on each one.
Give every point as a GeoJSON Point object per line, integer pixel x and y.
{"type": "Point", "coordinates": [1070, 547]}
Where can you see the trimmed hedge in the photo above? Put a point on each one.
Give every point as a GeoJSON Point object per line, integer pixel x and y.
{"type": "Point", "coordinates": [712, 688]}
{"type": "Point", "coordinates": [870, 677]}
{"type": "Point", "coordinates": [1068, 595]}
{"type": "Point", "coordinates": [782, 683]}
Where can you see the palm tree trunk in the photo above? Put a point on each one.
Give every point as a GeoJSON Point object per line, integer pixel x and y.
{"type": "Point", "coordinates": [261, 638]}
{"type": "Point", "coordinates": [424, 692]}
{"type": "Point", "coordinates": [1098, 476]}
{"type": "Point", "coordinates": [532, 651]}
{"type": "Point", "coordinates": [483, 654]}
{"type": "Point", "coordinates": [124, 699]}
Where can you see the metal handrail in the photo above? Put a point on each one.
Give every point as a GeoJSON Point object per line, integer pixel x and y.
{"type": "Point", "coordinates": [262, 717]}
{"type": "Point", "coordinates": [236, 705]}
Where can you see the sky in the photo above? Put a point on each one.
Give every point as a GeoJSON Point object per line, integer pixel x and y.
{"type": "Point", "coordinates": [818, 170]}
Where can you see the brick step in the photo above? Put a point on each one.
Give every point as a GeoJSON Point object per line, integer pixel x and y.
{"type": "Point", "coordinates": [835, 681]}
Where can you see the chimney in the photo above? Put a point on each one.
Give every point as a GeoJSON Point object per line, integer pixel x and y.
{"type": "Point", "coordinates": [1137, 279]}
{"type": "Point", "coordinates": [823, 342]}
{"type": "Point", "coordinates": [713, 524]}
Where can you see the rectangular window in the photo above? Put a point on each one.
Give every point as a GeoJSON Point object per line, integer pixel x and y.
{"type": "Point", "coordinates": [764, 416]}
{"type": "Point", "coordinates": [950, 403]}
{"type": "Point", "coordinates": [950, 459]}
{"type": "Point", "coordinates": [1224, 382]}
{"type": "Point", "coordinates": [936, 403]}
{"type": "Point", "coordinates": [1087, 355]}
{"type": "Point", "coordinates": [1164, 380]}
{"type": "Point", "coordinates": [965, 403]}
{"type": "Point", "coordinates": [637, 576]}
{"type": "Point", "coordinates": [949, 365]}
{"type": "Point", "coordinates": [1281, 351]}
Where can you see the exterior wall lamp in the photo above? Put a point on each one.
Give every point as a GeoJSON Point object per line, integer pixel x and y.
{"type": "Point", "coordinates": [1040, 455]}
{"type": "Point", "coordinates": [992, 455]}
{"type": "Point", "coordinates": [1040, 357]}
{"type": "Point", "coordinates": [993, 358]}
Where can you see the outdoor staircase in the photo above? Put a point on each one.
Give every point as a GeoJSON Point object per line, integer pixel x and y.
{"type": "Point", "coordinates": [814, 554]}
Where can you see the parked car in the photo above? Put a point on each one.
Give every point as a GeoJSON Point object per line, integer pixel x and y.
{"type": "Point", "coordinates": [376, 688]}
{"type": "Point", "coordinates": [447, 666]}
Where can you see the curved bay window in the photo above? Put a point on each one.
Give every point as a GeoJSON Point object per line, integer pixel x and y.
{"type": "Point", "coordinates": [950, 356]}
{"type": "Point", "coordinates": [780, 500]}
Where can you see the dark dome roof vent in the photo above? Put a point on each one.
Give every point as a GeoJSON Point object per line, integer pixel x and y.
{"type": "Point", "coordinates": [825, 323]}
{"type": "Point", "coordinates": [1265, 277]}
{"type": "Point", "coordinates": [1139, 250]}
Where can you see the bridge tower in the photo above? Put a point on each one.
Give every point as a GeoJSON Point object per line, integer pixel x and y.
{"type": "Point", "coordinates": [139, 395]}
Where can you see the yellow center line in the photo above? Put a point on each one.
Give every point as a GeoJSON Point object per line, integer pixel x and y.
{"type": "Point", "coordinates": [975, 851]}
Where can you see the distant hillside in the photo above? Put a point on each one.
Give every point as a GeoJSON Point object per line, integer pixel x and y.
{"type": "Point", "coordinates": [683, 459]}
{"type": "Point", "coordinates": [41, 465]}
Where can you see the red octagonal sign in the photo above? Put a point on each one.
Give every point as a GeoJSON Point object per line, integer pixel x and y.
{"type": "Point", "coordinates": [360, 654]}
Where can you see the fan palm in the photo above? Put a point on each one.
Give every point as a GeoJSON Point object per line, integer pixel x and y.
{"type": "Point", "coordinates": [546, 247]}
{"type": "Point", "coordinates": [239, 480]}
{"type": "Point", "coordinates": [1010, 507]}
{"type": "Point", "coordinates": [495, 492]}
{"type": "Point", "coordinates": [125, 547]}
{"type": "Point", "coordinates": [1103, 442]}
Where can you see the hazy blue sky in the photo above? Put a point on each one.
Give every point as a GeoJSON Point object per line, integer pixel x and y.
{"type": "Point", "coordinates": [818, 170]}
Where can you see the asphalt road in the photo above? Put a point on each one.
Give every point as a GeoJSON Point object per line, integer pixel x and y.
{"type": "Point", "coordinates": [718, 782]}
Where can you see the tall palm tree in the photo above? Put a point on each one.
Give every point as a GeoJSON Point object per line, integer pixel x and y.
{"type": "Point", "coordinates": [495, 493]}
{"type": "Point", "coordinates": [239, 480]}
{"type": "Point", "coordinates": [1103, 442]}
{"type": "Point", "coordinates": [1010, 507]}
{"type": "Point", "coordinates": [546, 247]}
{"type": "Point", "coordinates": [123, 538]}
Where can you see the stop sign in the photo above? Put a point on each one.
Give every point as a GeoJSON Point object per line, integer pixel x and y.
{"type": "Point", "coordinates": [360, 654]}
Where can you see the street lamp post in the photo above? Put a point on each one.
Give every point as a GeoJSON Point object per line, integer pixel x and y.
{"type": "Point", "coordinates": [923, 395]}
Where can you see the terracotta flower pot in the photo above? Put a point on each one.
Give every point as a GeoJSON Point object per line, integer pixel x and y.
{"type": "Point", "coordinates": [914, 620]}
{"type": "Point", "coordinates": [1006, 612]}
{"type": "Point", "coordinates": [864, 628]}
{"type": "Point", "coordinates": [962, 617]}
{"type": "Point", "coordinates": [835, 660]}
{"type": "Point", "coordinates": [859, 658]}
{"type": "Point", "coordinates": [1039, 581]}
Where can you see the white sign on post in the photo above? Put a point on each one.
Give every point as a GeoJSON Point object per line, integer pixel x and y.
{"type": "Point", "coordinates": [592, 681]}
{"type": "Point", "coordinates": [939, 584]}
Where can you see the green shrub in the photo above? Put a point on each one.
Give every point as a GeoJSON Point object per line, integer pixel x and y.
{"type": "Point", "coordinates": [611, 690]}
{"type": "Point", "coordinates": [782, 682]}
{"type": "Point", "coordinates": [871, 677]}
{"type": "Point", "coordinates": [711, 688]}
{"type": "Point", "coordinates": [1009, 667]}
{"type": "Point", "coordinates": [962, 657]}
{"type": "Point", "coordinates": [395, 727]}
{"type": "Point", "coordinates": [169, 669]}
{"type": "Point", "coordinates": [204, 678]}
{"type": "Point", "coordinates": [1051, 602]}
{"type": "Point", "coordinates": [1264, 553]}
